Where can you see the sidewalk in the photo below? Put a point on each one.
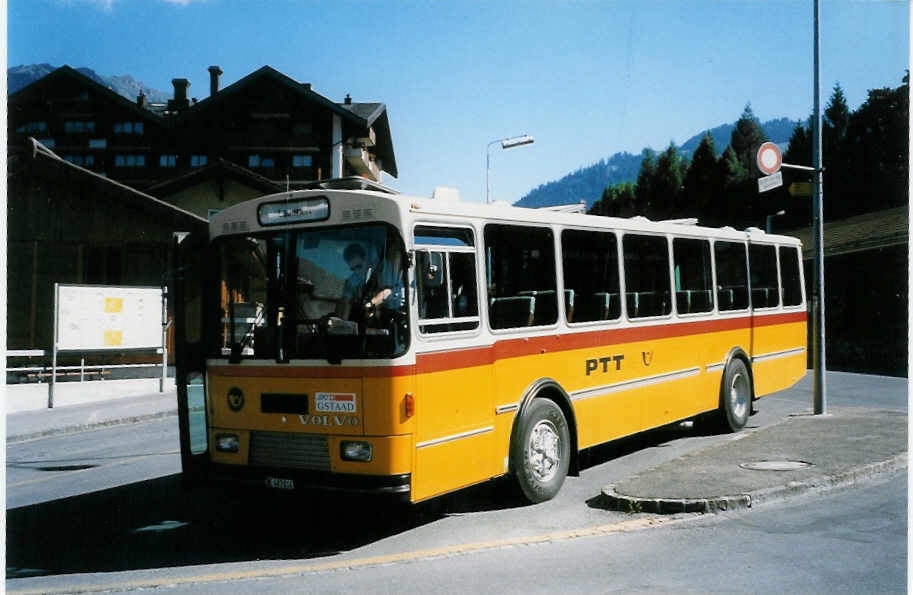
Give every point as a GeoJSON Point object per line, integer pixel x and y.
{"type": "Point", "coordinates": [80, 406]}
{"type": "Point", "coordinates": [801, 454]}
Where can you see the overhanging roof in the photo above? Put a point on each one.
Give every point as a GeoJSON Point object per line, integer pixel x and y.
{"type": "Point", "coordinates": [879, 229]}
{"type": "Point", "coordinates": [181, 219]}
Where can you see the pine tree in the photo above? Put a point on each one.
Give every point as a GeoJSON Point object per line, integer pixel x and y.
{"type": "Point", "coordinates": [799, 150]}
{"type": "Point", "coordinates": [644, 194]}
{"type": "Point", "coordinates": [667, 182]}
{"type": "Point", "coordinates": [747, 138]}
{"type": "Point", "coordinates": [701, 184]}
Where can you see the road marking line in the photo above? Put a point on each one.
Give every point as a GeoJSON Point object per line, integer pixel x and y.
{"type": "Point", "coordinates": [298, 569]}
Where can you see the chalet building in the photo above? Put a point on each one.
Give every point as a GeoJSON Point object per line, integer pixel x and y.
{"type": "Point", "coordinates": [265, 132]}
{"type": "Point", "coordinates": [98, 184]}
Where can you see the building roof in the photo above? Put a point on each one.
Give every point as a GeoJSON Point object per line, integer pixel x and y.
{"type": "Point", "coordinates": [880, 229]}
{"type": "Point", "coordinates": [359, 115]}
{"type": "Point", "coordinates": [220, 167]}
{"type": "Point", "coordinates": [65, 72]}
{"type": "Point", "coordinates": [179, 218]}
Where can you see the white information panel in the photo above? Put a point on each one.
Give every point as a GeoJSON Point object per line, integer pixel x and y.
{"type": "Point", "coordinates": [104, 317]}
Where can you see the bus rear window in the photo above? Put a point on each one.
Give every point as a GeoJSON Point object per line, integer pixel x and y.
{"type": "Point", "coordinates": [791, 281]}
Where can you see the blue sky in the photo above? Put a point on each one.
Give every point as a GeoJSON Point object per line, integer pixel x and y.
{"type": "Point", "coordinates": [586, 78]}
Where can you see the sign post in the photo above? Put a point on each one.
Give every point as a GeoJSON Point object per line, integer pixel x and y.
{"type": "Point", "coordinates": [769, 162]}
{"type": "Point", "coordinates": [818, 343]}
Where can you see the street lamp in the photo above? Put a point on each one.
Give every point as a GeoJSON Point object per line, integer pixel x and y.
{"type": "Point", "coordinates": [770, 219]}
{"type": "Point", "coordinates": [506, 143]}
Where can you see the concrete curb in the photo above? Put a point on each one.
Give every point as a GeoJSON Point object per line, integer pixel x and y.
{"type": "Point", "coordinates": [86, 427]}
{"type": "Point", "coordinates": [613, 500]}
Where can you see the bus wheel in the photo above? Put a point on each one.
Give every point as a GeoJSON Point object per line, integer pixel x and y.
{"type": "Point", "coordinates": [735, 396]}
{"type": "Point", "coordinates": [541, 453]}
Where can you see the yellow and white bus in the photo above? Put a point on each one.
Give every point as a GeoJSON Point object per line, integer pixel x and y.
{"type": "Point", "coordinates": [347, 337]}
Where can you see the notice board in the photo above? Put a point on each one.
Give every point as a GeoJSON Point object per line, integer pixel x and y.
{"type": "Point", "coordinates": [103, 317]}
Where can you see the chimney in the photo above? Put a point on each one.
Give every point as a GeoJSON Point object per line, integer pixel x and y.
{"type": "Point", "coordinates": [214, 73]}
{"type": "Point", "coordinates": [348, 100]}
{"type": "Point", "coordinates": [141, 99]}
{"type": "Point", "coordinates": [179, 103]}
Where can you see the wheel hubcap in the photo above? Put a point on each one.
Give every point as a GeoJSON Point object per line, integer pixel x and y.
{"type": "Point", "coordinates": [738, 395]}
{"type": "Point", "coordinates": [544, 451]}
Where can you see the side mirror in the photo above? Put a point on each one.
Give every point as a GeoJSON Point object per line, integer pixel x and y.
{"type": "Point", "coordinates": [432, 269]}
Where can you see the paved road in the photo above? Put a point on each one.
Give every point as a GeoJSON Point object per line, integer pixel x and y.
{"type": "Point", "coordinates": [110, 501]}
{"type": "Point", "coordinates": [852, 542]}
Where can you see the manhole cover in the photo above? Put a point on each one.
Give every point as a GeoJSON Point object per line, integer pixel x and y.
{"type": "Point", "coordinates": [775, 465]}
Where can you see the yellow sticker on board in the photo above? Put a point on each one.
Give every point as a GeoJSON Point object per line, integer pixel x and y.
{"type": "Point", "coordinates": [113, 305]}
{"type": "Point", "coordinates": [114, 338]}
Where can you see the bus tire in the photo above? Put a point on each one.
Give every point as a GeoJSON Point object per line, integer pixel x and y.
{"type": "Point", "coordinates": [541, 453]}
{"type": "Point", "coordinates": [735, 396]}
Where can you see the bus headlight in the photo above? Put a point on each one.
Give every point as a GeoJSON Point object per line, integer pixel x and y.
{"type": "Point", "coordinates": [227, 443]}
{"type": "Point", "coordinates": [356, 451]}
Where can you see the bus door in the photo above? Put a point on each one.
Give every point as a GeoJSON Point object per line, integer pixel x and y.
{"type": "Point", "coordinates": [766, 338]}
{"type": "Point", "coordinates": [454, 404]}
{"type": "Point", "coordinates": [189, 286]}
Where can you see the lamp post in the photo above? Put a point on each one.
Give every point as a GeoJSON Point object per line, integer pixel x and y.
{"type": "Point", "coordinates": [770, 219]}
{"type": "Point", "coordinates": [506, 143]}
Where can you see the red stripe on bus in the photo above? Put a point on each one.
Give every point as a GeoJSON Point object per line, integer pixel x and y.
{"type": "Point", "coordinates": [292, 371]}
{"type": "Point", "coordinates": [509, 348]}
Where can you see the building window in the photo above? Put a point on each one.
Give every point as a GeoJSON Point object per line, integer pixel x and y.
{"type": "Point", "coordinates": [197, 160]}
{"type": "Point", "coordinates": [129, 161]}
{"type": "Point", "coordinates": [33, 127]}
{"type": "Point", "coordinates": [260, 161]}
{"type": "Point", "coordinates": [128, 128]}
{"type": "Point", "coordinates": [302, 161]}
{"type": "Point", "coordinates": [47, 142]}
{"type": "Point", "coordinates": [81, 160]}
{"type": "Point", "coordinates": [98, 143]}
{"type": "Point", "coordinates": [168, 161]}
{"type": "Point", "coordinates": [74, 127]}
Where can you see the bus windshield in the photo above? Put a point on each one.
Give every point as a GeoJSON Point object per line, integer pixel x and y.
{"type": "Point", "coordinates": [313, 294]}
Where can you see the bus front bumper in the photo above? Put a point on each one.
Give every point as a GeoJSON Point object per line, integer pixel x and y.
{"type": "Point", "coordinates": [297, 479]}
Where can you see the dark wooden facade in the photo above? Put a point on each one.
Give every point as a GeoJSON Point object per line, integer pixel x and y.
{"type": "Point", "coordinates": [68, 225]}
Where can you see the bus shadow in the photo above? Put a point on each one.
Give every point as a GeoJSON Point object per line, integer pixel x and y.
{"type": "Point", "coordinates": [156, 524]}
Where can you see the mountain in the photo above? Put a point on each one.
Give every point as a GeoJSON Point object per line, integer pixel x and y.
{"type": "Point", "coordinates": [587, 183]}
{"type": "Point", "coordinates": [18, 77]}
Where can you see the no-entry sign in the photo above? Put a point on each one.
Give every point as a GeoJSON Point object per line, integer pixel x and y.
{"type": "Point", "coordinates": [769, 158]}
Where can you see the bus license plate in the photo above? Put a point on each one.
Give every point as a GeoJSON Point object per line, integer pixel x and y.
{"type": "Point", "coordinates": [280, 484]}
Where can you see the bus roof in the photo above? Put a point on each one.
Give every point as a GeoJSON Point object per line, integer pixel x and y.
{"type": "Point", "coordinates": [231, 220]}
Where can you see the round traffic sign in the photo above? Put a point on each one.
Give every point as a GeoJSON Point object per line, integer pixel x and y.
{"type": "Point", "coordinates": [769, 158]}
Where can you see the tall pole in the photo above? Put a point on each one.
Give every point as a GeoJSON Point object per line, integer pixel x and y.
{"type": "Point", "coordinates": [818, 342]}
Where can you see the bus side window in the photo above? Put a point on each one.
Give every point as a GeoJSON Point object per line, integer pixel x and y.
{"type": "Point", "coordinates": [646, 261]}
{"type": "Point", "coordinates": [731, 275]}
{"type": "Point", "coordinates": [590, 262]}
{"type": "Point", "coordinates": [693, 275]}
{"type": "Point", "coordinates": [448, 300]}
{"type": "Point", "coordinates": [522, 286]}
{"type": "Point", "coordinates": [762, 261]}
{"type": "Point", "coordinates": [791, 282]}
